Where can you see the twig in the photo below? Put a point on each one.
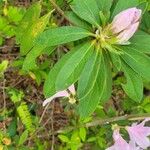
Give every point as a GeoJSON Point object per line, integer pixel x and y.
{"type": "Point", "coordinates": [101, 122]}
{"type": "Point", "coordinates": [108, 121]}
{"type": "Point", "coordinates": [6, 46]}
{"type": "Point", "coordinates": [96, 123]}
{"type": "Point", "coordinates": [120, 118]}
{"type": "Point", "coordinates": [17, 83]}
{"type": "Point", "coordinates": [60, 11]}
{"type": "Point", "coordinates": [44, 113]}
{"type": "Point", "coordinates": [15, 54]}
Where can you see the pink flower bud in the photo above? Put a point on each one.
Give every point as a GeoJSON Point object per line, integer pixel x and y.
{"type": "Point", "coordinates": [125, 24]}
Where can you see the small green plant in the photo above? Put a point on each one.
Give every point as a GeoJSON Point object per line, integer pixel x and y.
{"type": "Point", "coordinates": [73, 141]}
{"type": "Point", "coordinates": [9, 21]}
{"type": "Point", "coordinates": [22, 108]}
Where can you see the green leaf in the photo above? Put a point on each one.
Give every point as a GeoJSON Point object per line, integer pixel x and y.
{"type": "Point", "coordinates": [82, 133]}
{"type": "Point", "coordinates": [72, 69]}
{"type": "Point", "coordinates": [3, 23]}
{"type": "Point", "coordinates": [124, 4]}
{"type": "Point", "coordinates": [134, 85]}
{"type": "Point", "coordinates": [32, 32]}
{"type": "Point", "coordinates": [145, 22]}
{"type": "Point", "coordinates": [25, 116]}
{"type": "Point", "coordinates": [105, 79]}
{"type": "Point", "coordinates": [63, 138]}
{"type": "Point", "coordinates": [100, 92]}
{"type": "Point", "coordinates": [61, 35]}
{"type": "Point", "coordinates": [23, 137]}
{"type": "Point", "coordinates": [75, 138]}
{"type": "Point", "coordinates": [49, 85]}
{"type": "Point", "coordinates": [89, 74]}
{"type": "Point", "coordinates": [115, 58]}
{"type": "Point", "coordinates": [16, 95]}
{"type": "Point", "coordinates": [30, 60]}
{"type": "Point", "coordinates": [77, 21]}
{"type": "Point", "coordinates": [12, 128]}
{"type": "Point", "coordinates": [87, 10]}
{"type": "Point", "coordinates": [3, 66]}
{"type": "Point", "coordinates": [139, 62]}
{"type": "Point", "coordinates": [141, 42]}
{"type": "Point", "coordinates": [31, 15]}
{"type": "Point", "coordinates": [88, 104]}
{"type": "Point", "coordinates": [104, 5]}
{"type": "Point", "coordinates": [14, 14]}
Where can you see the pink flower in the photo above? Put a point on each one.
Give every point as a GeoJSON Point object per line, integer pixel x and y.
{"type": "Point", "coordinates": [125, 24]}
{"type": "Point", "coordinates": [120, 143]}
{"type": "Point", "coordinates": [133, 146]}
{"type": "Point", "coordinates": [139, 134]}
{"type": "Point", "coordinates": [59, 94]}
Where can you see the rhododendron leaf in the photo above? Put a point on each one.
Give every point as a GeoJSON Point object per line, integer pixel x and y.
{"type": "Point", "coordinates": [116, 61]}
{"type": "Point", "coordinates": [87, 10]}
{"type": "Point", "coordinates": [104, 79]}
{"type": "Point", "coordinates": [73, 67]}
{"type": "Point", "coordinates": [134, 84]}
{"type": "Point", "coordinates": [101, 90]}
{"type": "Point", "coordinates": [77, 21]}
{"type": "Point", "coordinates": [61, 35]}
{"type": "Point", "coordinates": [145, 23]}
{"type": "Point", "coordinates": [141, 42]}
{"type": "Point", "coordinates": [124, 4]}
{"type": "Point", "coordinates": [49, 85]}
{"type": "Point", "coordinates": [88, 104]}
{"type": "Point", "coordinates": [139, 62]}
{"type": "Point", "coordinates": [89, 74]}
{"type": "Point", "coordinates": [104, 5]}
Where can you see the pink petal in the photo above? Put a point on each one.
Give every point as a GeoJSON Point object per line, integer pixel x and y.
{"type": "Point", "coordinates": [111, 148]}
{"type": "Point", "coordinates": [124, 36]}
{"type": "Point", "coordinates": [133, 146]}
{"type": "Point", "coordinates": [119, 142]}
{"type": "Point", "coordinates": [138, 134]}
{"type": "Point", "coordinates": [125, 18]}
{"type": "Point", "coordinates": [57, 95]}
{"type": "Point", "coordinates": [116, 134]}
{"type": "Point", "coordinates": [143, 122]}
{"type": "Point", "coordinates": [141, 128]}
{"type": "Point", "coordinates": [72, 89]}
{"type": "Point", "coordinates": [145, 131]}
{"type": "Point", "coordinates": [142, 141]}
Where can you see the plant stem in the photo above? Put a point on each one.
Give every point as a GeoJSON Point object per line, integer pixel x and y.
{"type": "Point", "coordinates": [108, 121]}
{"type": "Point", "coordinates": [97, 122]}
{"type": "Point", "coordinates": [120, 118]}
